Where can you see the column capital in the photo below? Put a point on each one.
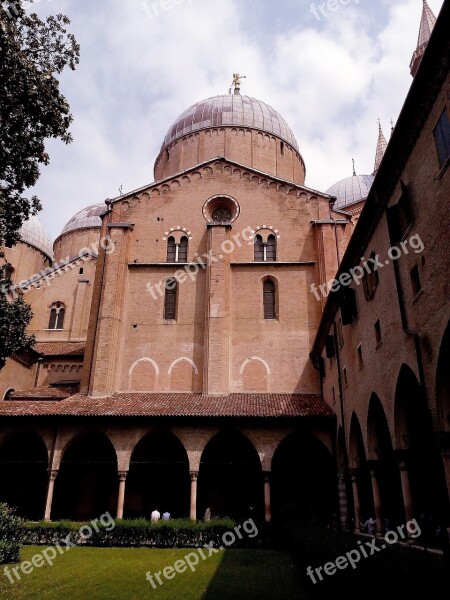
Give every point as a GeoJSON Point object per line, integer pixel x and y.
{"type": "Point", "coordinates": [193, 475]}
{"type": "Point", "coordinates": [122, 475]}
{"type": "Point", "coordinates": [354, 473]}
{"type": "Point", "coordinates": [443, 441]}
{"type": "Point", "coordinates": [266, 475]}
{"type": "Point", "coordinates": [402, 456]}
{"type": "Point", "coordinates": [373, 466]}
{"type": "Point", "coordinates": [53, 474]}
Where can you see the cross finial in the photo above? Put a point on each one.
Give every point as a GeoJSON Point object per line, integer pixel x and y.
{"type": "Point", "coordinates": [236, 83]}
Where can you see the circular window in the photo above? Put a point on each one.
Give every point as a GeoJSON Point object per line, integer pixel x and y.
{"type": "Point", "coordinates": [221, 215]}
{"type": "Point", "coordinates": [221, 210]}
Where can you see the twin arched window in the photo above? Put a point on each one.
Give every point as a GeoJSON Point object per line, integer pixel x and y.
{"type": "Point", "coordinates": [57, 314]}
{"type": "Point", "coordinates": [177, 251]}
{"type": "Point", "coordinates": [265, 251]}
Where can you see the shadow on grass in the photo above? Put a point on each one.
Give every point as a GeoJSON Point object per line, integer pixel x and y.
{"type": "Point", "coordinates": [391, 571]}
{"type": "Point", "coordinates": [256, 575]}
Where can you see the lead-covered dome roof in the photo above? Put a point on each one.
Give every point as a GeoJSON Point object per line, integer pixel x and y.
{"type": "Point", "coordinates": [227, 111]}
{"type": "Point", "coordinates": [86, 218]}
{"type": "Point", "coordinates": [33, 233]}
{"type": "Point", "coordinates": [351, 190]}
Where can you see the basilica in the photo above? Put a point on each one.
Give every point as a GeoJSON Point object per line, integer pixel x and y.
{"type": "Point", "coordinates": [184, 362]}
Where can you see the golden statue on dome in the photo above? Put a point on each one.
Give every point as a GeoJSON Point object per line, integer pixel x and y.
{"type": "Point", "coordinates": [237, 83]}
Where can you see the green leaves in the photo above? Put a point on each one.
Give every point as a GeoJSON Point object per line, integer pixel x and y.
{"type": "Point", "coordinates": [32, 109]}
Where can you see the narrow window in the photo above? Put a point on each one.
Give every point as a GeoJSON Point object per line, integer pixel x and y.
{"type": "Point", "coordinates": [170, 300]}
{"type": "Point", "coordinates": [183, 250]}
{"type": "Point", "coordinates": [282, 148]}
{"type": "Point", "coordinates": [340, 334]}
{"type": "Point", "coordinates": [271, 249]}
{"type": "Point", "coordinates": [334, 395]}
{"type": "Point", "coordinates": [360, 357]}
{"type": "Point", "coordinates": [378, 337]}
{"type": "Point", "coordinates": [81, 271]}
{"type": "Point", "coordinates": [370, 280]}
{"type": "Point", "coordinates": [415, 280]}
{"type": "Point", "coordinates": [57, 314]}
{"type": "Point", "coordinates": [442, 138]}
{"type": "Point", "coordinates": [259, 249]}
{"type": "Point", "coordinates": [171, 249]}
{"type": "Point", "coordinates": [269, 299]}
{"type": "Point", "coordinates": [344, 376]}
{"type": "Point", "coordinates": [349, 308]}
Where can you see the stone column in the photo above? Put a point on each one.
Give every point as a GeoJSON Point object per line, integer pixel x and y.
{"type": "Point", "coordinates": [356, 501]}
{"type": "Point", "coordinates": [267, 507]}
{"type": "Point", "coordinates": [49, 501]}
{"type": "Point", "coordinates": [406, 486]}
{"type": "Point", "coordinates": [443, 442]}
{"type": "Point", "coordinates": [377, 498]}
{"type": "Point", "coordinates": [121, 496]}
{"type": "Point", "coordinates": [343, 507]}
{"type": "Point", "coordinates": [193, 510]}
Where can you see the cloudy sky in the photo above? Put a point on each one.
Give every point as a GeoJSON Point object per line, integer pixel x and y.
{"type": "Point", "coordinates": [144, 62]}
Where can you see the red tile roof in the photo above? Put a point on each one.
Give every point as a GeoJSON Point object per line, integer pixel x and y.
{"type": "Point", "coordinates": [54, 393]}
{"type": "Point", "coordinates": [60, 348]}
{"type": "Point", "coordinates": [175, 405]}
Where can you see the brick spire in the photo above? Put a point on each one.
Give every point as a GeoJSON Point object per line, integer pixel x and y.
{"type": "Point", "coordinates": [381, 149]}
{"type": "Point", "coordinates": [426, 27]}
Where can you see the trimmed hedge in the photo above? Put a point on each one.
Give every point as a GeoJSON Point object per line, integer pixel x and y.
{"type": "Point", "coordinates": [11, 535]}
{"type": "Point", "coordinates": [141, 533]}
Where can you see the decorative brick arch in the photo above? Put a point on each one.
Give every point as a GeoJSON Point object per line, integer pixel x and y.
{"type": "Point", "coordinates": [146, 384]}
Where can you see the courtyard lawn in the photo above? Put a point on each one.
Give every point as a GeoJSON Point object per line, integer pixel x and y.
{"type": "Point", "coordinates": [119, 574]}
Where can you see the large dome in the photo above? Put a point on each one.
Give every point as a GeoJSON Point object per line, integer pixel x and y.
{"type": "Point", "coordinates": [227, 111]}
{"type": "Point", "coordinates": [33, 233]}
{"type": "Point", "coordinates": [86, 218]}
{"type": "Point", "coordinates": [351, 190]}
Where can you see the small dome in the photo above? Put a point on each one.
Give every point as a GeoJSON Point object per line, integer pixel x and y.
{"type": "Point", "coordinates": [86, 218]}
{"type": "Point", "coordinates": [227, 111]}
{"type": "Point", "coordinates": [351, 190]}
{"type": "Point", "coordinates": [33, 233]}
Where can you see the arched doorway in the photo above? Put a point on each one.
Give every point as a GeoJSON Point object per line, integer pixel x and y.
{"type": "Point", "coordinates": [443, 382]}
{"type": "Point", "coordinates": [158, 477]}
{"type": "Point", "coordinates": [24, 475]}
{"type": "Point", "coordinates": [87, 484]}
{"type": "Point", "coordinates": [360, 471]}
{"type": "Point", "coordinates": [387, 471]}
{"type": "Point", "coordinates": [303, 478]}
{"type": "Point", "coordinates": [414, 429]}
{"type": "Point", "coordinates": [230, 480]}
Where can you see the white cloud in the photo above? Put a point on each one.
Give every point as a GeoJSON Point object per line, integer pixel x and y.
{"type": "Point", "coordinates": [137, 74]}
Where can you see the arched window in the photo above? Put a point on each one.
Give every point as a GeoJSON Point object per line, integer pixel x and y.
{"type": "Point", "coordinates": [170, 300]}
{"type": "Point", "coordinates": [171, 249]}
{"type": "Point", "coordinates": [259, 249]}
{"type": "Point", "coordinates": [57, 314]}
{"type": "Point", "coordinates": [177, 251]}
{"type": "Point", "coordinates": [265, 251]}
{"type": "Point", "coordinates": [269, 299]}
{"type": "Point", "coordinates": [271, 249]}
{"type": "Point", "coordinates": [183, 250]}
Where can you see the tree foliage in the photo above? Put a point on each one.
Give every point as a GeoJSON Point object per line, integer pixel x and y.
{"type": "Point", "coordinates": [32, 109]}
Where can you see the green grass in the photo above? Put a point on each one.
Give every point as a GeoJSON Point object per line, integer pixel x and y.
{"type": "Point", "coordinates": [119, 574]}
